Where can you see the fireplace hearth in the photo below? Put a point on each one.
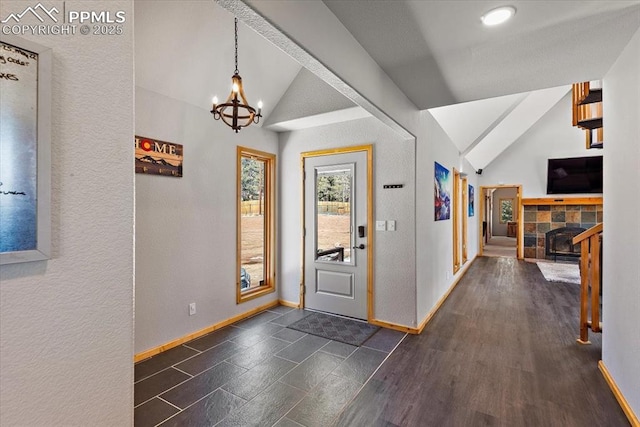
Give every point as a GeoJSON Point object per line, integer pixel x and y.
{"type": "Point", "coordinates": [559, 243]}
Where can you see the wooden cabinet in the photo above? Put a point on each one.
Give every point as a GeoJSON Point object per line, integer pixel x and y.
{"type": "Point", "coordinates": [512, 229]}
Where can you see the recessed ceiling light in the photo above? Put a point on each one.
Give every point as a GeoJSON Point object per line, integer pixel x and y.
{"type": "Point", "coordinates": [498, 16]}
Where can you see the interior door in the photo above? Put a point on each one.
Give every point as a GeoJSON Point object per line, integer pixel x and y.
{"type": "Point", "coordinates": [336, 231]}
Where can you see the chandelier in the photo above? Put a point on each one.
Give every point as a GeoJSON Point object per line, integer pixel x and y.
{"type": "Point", "coordinates": [236, 113]}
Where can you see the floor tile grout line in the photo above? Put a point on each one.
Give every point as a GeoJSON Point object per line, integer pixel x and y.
{"type": "Point", "coordinates": [271, 385]}
{"type": "Point", "coordinates": [180, 361]}
{"type": "Point", "coordinates": [191, 348]}
{"type": "Point", "coordinates": [343, 357]}
{"type": "Point", "coordinates": [190, 405]}
{"type": "Point", "coordinates": [293, 342]}
{"type": "Point", "coordinates": [377, 349]}
{"type": "Point", "coordinates": [184, 372]}
{"type": "Point", "coordinates": [179, 384]}
{"type": "Point", "coordinates": [306, 393]}
{"type": "Point", "coordinates": [333, 421]}
{"type": "Point", "coordinates": [254, 397]}
{"type": "Point", "coordinates": [175, 406]}
{"type": "Point", "coordinates": [163, 392]}
{"type": "Point", "coordinates": [285, 416]}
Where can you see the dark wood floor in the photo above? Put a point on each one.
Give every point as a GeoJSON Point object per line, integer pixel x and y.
{"type": "Point", "coordinates": [501, 351]}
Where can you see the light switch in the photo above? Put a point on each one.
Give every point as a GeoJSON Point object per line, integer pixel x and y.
{"type": "Point", "coordinates": [381, 226]}
{"type": "Point", "coordinates": [391, 225]}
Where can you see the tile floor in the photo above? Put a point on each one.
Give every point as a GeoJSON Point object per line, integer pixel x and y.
{"type": "Point", "coordinates": [256, 372]}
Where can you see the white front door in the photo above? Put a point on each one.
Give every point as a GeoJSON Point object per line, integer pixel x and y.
{"type": "Point", "coordinates": [336, 232]}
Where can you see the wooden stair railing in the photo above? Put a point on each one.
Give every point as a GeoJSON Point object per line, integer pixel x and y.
{"type": "Point", "coordinates": [589, 277]}
{"type": "Point", "coordinates": [584, 116]}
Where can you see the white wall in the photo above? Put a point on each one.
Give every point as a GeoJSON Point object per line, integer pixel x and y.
{"type": "Point", "coordinates": [434, 247]}
{"type": "Point", "coordinates": [307, 96]}
{"type": "Point", "coordinates": [525, 161]}
{"type": "Point", "coordinates": [66, 325]}
{"type": "Point", "coordinates": [185, 227]}
{"type": "Point", "coordinates": [394, 262]}
{"type": "Point", "coordinates": [621, 269]}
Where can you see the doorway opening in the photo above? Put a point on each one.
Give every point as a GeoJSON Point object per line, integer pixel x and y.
{"type": "Point", "coordinates": [501, 230]}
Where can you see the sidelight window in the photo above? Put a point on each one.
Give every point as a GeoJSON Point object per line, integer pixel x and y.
{"type": "Point", "coordinates": [256, 227]}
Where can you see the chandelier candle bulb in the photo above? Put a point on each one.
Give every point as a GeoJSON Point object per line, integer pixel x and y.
{"type": "Point", "coordinates": [236, 112]}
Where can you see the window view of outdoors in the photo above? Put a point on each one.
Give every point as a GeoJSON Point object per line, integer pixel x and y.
{"type": "Point", "coordinates": [252, 227]}
{"type": "Point", "coordinates": [333, 190]}
{"type": "Point", "coordinates": [506, 210]}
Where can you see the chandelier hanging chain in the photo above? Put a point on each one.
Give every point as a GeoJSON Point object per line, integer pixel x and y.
{"type": "Point", "coordinates": [236, 111]}
{"type": "Point", "coordinates": [236, 23]}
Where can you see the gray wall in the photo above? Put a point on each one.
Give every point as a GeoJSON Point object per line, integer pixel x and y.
{"type": "Point", "coordinates": [307, 96]}
{"type": "Point", "coordinates": [621, 269]}
{"type": "Point", "coordinates": [434, 253]}
{"type": "Point", "coordinates": [394, 262]}
{"type": "Point", "coordinates": [66, 325]}
{"type": "Point", "coordinates": [185, 227]}
{"type": "Point", "coordinates": [525, 161]}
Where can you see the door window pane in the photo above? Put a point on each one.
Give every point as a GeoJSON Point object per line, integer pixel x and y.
{"type": "Point", "coordinates": [334, 185]}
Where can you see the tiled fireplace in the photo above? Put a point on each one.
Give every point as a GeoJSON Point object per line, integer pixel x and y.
{"type": "Point", "coordinates": [540, 219]}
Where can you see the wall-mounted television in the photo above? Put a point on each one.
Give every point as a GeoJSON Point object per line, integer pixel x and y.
{"type": "Point", "coordinates": [574, 175]}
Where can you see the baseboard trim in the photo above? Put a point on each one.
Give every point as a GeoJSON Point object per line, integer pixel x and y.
{"type": "Point", "coordinates": [419, 329]}
{"type": "Point", "coordinates": [289, 303]}
{"type": "Point", "coordinates": [394, 326]}
{"type": "Point", "coordinates": [441, 301]}
{"type": "Point", "coordinates": [171, 344]}
{"type": "Point", "coordinates": [633, 419]}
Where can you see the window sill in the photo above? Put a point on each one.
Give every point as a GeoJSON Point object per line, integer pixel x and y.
{"type": "Point", "coordinates": [254, 293]}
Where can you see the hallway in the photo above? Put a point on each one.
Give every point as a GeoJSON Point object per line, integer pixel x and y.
{"type": "Point", "coordinates": [498, 246]}
{"type": "Point", "coordinates": [501, 351]}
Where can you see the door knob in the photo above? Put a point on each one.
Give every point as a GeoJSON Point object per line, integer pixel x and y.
{"type": "Point", "coordinates": [360, 246]}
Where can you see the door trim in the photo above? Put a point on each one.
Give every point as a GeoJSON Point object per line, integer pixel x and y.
{"type": "Point", "coordinates": [465, 217]}
{"type": "Point", "coordinates": [456, 220]}
{"type": "Point", "coordinates": [370, 240]}
{"type": "Point", "coordinates": [520, 210]}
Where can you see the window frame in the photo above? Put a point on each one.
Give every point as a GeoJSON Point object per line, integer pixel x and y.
{"type": "Point", "coordinates": [269, 274]}
{"type": "Point", "coordinates": [512, 200]}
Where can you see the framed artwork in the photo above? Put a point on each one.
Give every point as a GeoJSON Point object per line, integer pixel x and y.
{"type": "Point", "coordinates": [25, 150]}
{"type": "Point", "coordinates": [471, 199]}
{"type": "Point", "coordinates": [442, 192]}
{"type": "Point", "coordinates": [158, 157]}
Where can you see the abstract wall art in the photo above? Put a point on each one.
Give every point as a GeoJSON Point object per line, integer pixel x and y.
{"type": "Point", "coordinates": [442, 192]}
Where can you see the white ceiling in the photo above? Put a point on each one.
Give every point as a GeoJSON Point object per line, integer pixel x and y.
{"type": "Point", "coordinates": [185, 50]}
{"type": "Point", "coordinates": [437, 53]}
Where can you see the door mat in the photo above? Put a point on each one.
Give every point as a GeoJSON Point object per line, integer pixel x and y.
{"type": "Point", "coordinates": [560, 272]}
{"type": "Point", "coordinates": [335, 328]}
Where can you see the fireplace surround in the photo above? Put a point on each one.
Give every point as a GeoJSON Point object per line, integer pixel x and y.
{"type": "Point", "coordinates": [559, 243]}
{"type": "Point", "coordinates": [543, 215]}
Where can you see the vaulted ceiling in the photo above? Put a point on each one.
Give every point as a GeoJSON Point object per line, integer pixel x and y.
{"type": "Point", "coordinates": [437, 52]}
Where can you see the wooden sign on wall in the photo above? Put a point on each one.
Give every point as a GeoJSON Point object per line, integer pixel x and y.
{"type": "Point", "coordinates": [158, 157]}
